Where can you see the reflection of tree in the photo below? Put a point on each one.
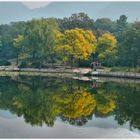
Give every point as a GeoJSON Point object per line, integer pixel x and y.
{"type": "Point", "coordinates": [128, 104]}
{"type": "Point", "coordinates": [37, 107]}
{"type": "Point", "coordinates": [80, 103]}
{"type": "Point", "coordinates": [41, 100]}
{"type": "Point", "coordinates": [78, 108]}
{"type": "Point", "coordinates": [79, 121]}
{"type": "Point", "coordinates": [123, 100]}
{"type": "Point", "coordinates": [105, 102]}
{"type": "Point", "coordinates": [102, 104]}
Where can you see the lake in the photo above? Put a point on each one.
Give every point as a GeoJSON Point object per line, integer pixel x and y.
{"type": "Point", "coordinates": [52, 107]}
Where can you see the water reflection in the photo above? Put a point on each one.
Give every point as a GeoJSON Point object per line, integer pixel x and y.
{"type": "Point", "coordinates": [42, 100]}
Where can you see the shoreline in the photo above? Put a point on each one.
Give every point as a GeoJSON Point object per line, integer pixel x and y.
{"type": "Point", "coordinates": [126, 75]}
{"type": "Point", "coordinates": [69, 72]}
{"type": "Point", "coordinates": [35, 73]}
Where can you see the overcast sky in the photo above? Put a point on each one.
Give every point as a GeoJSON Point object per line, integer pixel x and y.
{"type": "Point", "coordinates": [34, 5]}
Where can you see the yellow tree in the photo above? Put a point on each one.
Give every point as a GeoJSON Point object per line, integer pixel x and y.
{"type": "Point", "coordinates": [76, 44]}
{"type": "Point", "coordinates": [106, 46]}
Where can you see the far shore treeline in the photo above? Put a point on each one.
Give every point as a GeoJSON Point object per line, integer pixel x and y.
{"type": "Point", "coordinates": [74, 41]}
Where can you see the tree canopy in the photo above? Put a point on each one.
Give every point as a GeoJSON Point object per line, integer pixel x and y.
{"type": "Point", "coordinates": [76, 44]}
{"type": "Point", "coordinates": [77, 39]}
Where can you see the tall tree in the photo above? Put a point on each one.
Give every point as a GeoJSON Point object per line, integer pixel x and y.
{"type": "Point", "coordinates": [129, 49]}
{"type": "Point", "coordinates": [18, 44]}
{"type": "Point", "coordinates": [106, 45]}
{"type": "Point", "coordinates": [121, 26]}
{"type": "Point", "coordinates": [103, 25]}
{"type": "Point", "coordinates": [79, 20]}
{"type": "Point", "coordinates": [76, 44]}
{"type": "Point", "coordinates": [40, 38]}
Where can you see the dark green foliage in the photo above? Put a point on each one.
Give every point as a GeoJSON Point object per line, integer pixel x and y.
{"type": "Point", "coordinates": [121, 27]}
{"type": "Point", "coordinates": [84, 64]}
{"type": "Point", "coordinates": [129, 49]}
{"type": "Point", "coordinates": [103, 25]}
{"type": "Point", "coordinates": [4, 63]}
{"type": "Point", "coordinates": [23, 65]}
{"type": "Point", "coordinates": [80, 20]}
{"type": "Point", "coordinates": [37, 65]}
{"type": "Point", "coordinates": [7, 34]}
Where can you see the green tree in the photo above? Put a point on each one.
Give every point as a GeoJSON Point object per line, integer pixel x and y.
{"type": "Point", "coordinates": [129, 50]}
{"type": "Point", "coordinates": [18, 44]}
{"type": "Point", "coordinates": [40, 38]}
{"type": "Point", "coordinates": [8, 32]}
{"type": "Point", "coordinates": [103, 25]}
{"type": "Point", "coordinates": [79, 20]}
{"type": "Point", "coordinates": [48, 39]}
{"type": "Point", "coordinates": [121, 26]}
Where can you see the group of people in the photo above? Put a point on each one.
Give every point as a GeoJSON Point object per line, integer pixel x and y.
{"type": "Point", "coordinates": [94, 65]}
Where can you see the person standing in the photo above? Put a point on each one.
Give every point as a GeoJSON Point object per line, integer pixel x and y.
{"type": "Point", "coordinates": [93, 65]}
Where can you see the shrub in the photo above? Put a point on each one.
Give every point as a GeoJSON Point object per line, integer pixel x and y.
{"type": "Point", "coordinates": [84, 63]}
{"type": "Point", "coordinates": [23, 65]}
{"type": "Point", "coordinates": [4, 63]}
{"type": "Point", "coordinates": [35, 65]}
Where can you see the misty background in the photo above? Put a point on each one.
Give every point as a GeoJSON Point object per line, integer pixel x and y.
{"type": "Point", "coordinates": [22, 11]}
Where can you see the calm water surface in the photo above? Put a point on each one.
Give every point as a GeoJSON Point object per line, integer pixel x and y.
{"type": "Point", "coordinates": [50, 107]}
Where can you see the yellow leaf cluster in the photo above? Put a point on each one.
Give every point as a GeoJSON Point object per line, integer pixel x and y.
{"type": "Point", "coordinates": [77, 43]}
{"type": "Point", "coordinates": [107, 41]}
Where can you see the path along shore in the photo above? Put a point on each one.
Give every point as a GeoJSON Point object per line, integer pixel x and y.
{"type": "Point", "coordinates": [73, 71]}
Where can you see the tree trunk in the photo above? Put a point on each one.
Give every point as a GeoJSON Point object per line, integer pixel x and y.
{"type": "Point", "coordinates": [40, 64]}
{"type": "Point", "coordinates": [41, 61]}
{"type": "Point", "coordinates": [33, 56]}
{"type": "Point", "coordinates": [71, 59]}
{"type": "Point", "coordinates": [17, 59]}
{"type": "Point", "coordinates": [51, 60]}
{"type": "Point", "coordinates": [78, 63]}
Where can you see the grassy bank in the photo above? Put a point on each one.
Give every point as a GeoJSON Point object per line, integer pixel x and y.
{"type": "Point", "coordinates": [124, 69]}
{"type": "Point", "coordinates": [15, 73]}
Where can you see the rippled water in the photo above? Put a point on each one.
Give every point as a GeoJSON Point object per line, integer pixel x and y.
{"type": "Point", "coordinates": [53, 107]}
